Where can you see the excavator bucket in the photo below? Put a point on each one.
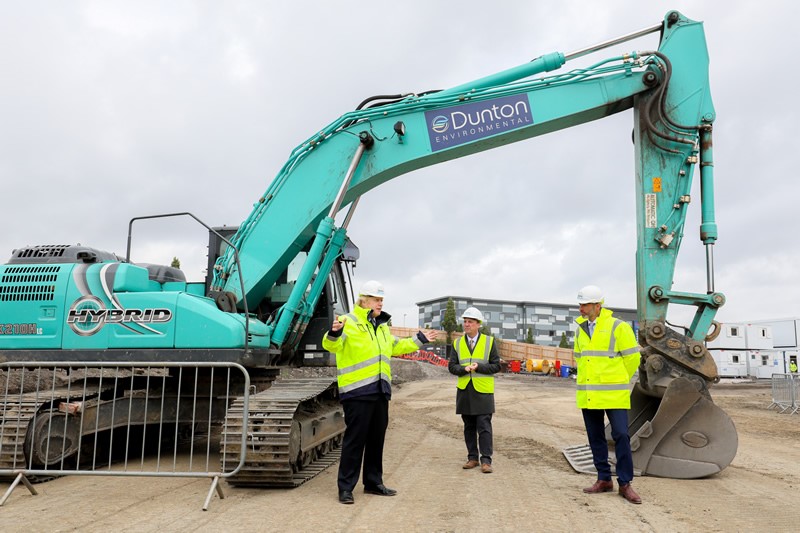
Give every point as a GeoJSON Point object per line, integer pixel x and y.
{"type": "Point", "coordinates": [682, 435]}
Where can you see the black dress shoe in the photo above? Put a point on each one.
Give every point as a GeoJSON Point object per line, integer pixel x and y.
{"type": "Point", "coordinates": [346, 496]}
{"type": "Point", "coordinates": [380, 490]}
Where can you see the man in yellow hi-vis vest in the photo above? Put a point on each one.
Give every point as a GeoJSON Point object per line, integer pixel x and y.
{"type": "Point", "coordinates": [607, 357]}
{"type": "Point", "coordinates": [474, 360]}
{"type": "Point", "coordinates": [364, 345]}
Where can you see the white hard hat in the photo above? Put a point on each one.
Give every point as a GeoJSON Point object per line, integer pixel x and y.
{"type": "Point", "coordinates": [590, 294]}
{"type": "Point", "coordinates": [372, 288]}
{"type": "Point", "coordinates": [473, 313]}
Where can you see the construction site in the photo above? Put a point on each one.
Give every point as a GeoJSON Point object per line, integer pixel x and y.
{"type": "Point", "coordinates": [533, 488]}
{"type": "Point", "coordinates": [135, 397]}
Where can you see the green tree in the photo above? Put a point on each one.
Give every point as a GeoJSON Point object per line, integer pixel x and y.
{"type": "Point", "coordinates": [485, 330]}
{"type": "Point", "coordinates": [564, 343]}
{"type": "Point", "coordinates": [176, 263]}
{"type": "Point", "coordinates": [529, 338]}
{"type": "Point", "coordinates": [449, 323]}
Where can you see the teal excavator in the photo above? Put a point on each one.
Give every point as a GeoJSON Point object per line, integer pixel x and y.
{"type": "Point", "coordinates": [276, 282]}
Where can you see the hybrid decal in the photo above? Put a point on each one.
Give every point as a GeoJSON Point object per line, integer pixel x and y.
{"type": "Point", "coordinates": [87, 315]}
{"type": "Point", "coordinates": [469, 122]}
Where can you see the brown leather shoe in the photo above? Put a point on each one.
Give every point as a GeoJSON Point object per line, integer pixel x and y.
{"type": "Point", "coordinates": [600, 486]}
{"type": "Point", "coordinates": [627, 492]}
{"type": "Point", "coordinates": [486, 468]}
{"type": "Point", "coordinates": [472, 463]}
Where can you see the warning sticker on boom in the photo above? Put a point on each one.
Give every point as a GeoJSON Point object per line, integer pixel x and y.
{"type": "Point", "coordinates": [650, 218]}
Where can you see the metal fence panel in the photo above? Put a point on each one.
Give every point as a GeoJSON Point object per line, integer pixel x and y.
{"type": "Point", "coordinates": [785, 388]}
{"type": "Point", "coordinates": [118, 419]}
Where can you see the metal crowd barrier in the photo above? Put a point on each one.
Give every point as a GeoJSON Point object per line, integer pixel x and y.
{"type": "Point", "coordinates": [785, 393]}
{"type": "Point", "coordinates": [117, 419]}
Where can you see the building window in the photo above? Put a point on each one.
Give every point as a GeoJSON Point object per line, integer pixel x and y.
{"type": "Point", "coordinates": [734, 331]}
{"type": "Point", "coordinates": [764, 333]}
{"type": "Point", "coordinates": [487, 316]}
{"type": "Point", "coordinates": [734, 359]}
{"type": "Point", "coordinates": [764, 360]}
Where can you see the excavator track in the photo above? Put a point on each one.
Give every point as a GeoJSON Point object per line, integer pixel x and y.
{"type": "Point", "coordinates": [15, 417]}
{"type": "Point", "coordinates": [294, 431]}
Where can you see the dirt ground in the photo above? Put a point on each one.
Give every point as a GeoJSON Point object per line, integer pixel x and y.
{"type": "Point", "coordinates": [533, 488]}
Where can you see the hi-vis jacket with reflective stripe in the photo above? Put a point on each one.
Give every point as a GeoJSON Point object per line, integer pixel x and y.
{"type": "Point", "coordinates": [363, 352]}
{"type": "Point", "coordinates": [480, 354]}
{"type": "Point", "coordinates": [606, 362]}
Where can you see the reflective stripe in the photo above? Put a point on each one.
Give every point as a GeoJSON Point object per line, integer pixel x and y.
{"type": "Point", "coordinates": [614, 386]}
{"type": "Point", "coordinates": [363, 382]}
{"type": "Point", "coordinates": [351, 316]}
{"type": "Point", "coordinates": [364, 364]}
{"type": "Point", "coordinates": [613, 339]}
{"type": "Point", "coordinates": [596, 353]}
{"type": "Point", "coordinates": [343, 336]}
{"type": "Point", "coordinates": [610, 354]}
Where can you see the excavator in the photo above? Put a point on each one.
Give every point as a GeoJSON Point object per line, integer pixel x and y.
{"type": "Point", "coordinates": [276, 281]}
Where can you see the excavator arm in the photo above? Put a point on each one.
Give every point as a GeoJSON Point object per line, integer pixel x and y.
{"type": "Point", "coordinates": [668, 89]}
{"type": "Point", "coordinates": [677, 430]}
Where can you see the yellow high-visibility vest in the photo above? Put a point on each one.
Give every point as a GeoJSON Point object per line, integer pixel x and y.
{"type": "Point", "coordinates": [480, 354]}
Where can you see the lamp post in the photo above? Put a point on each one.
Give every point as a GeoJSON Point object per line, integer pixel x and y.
{"type": "Point", "coordinates": [404, 319]}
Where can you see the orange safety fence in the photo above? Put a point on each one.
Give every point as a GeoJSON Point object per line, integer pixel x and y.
{"type": "Point", "coordinates": [422, 355]}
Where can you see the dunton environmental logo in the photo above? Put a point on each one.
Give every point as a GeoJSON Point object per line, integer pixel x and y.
{"type": "Point", "coordinates": [469, 122]}
{"type": "Point", "coordinates": [440, 124]}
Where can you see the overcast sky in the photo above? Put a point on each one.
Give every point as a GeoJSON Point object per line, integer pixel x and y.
{"type": "Point", "coordinates": [112, 110]}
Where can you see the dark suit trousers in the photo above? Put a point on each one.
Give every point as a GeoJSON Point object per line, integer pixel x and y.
{"type": "Point", "coordinates": [478, 437]}
{"type": "Point", "coordinates": [366, 422]}
{"type": "Point", "coordinates": [596, 431]}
